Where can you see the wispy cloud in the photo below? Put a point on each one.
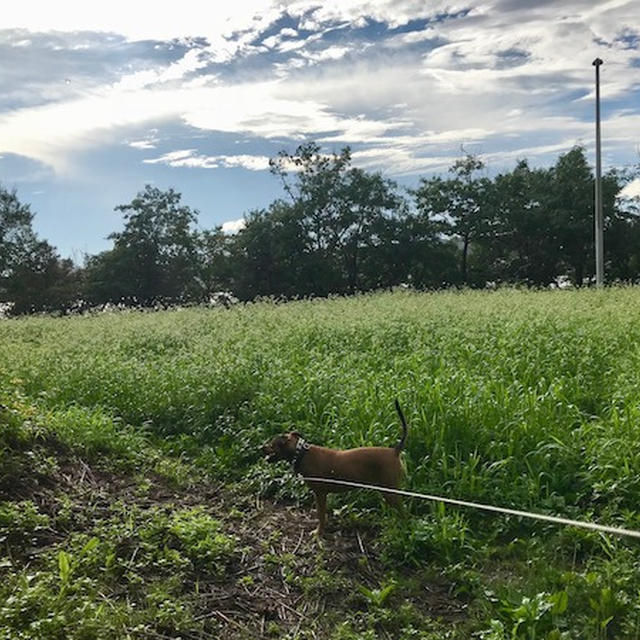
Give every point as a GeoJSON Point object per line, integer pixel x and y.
{"type": "Point", "coordinates": [190, 158]}
{"type": "Point", "coordinates": [150, 141]}
{"type": "Point", "coordinates": [142, 144]}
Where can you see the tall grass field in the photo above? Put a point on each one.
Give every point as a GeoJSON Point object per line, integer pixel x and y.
{"type": "Point", "coordinates": [528, 400]}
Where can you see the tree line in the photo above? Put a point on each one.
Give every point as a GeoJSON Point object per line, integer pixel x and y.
{"type": "Point", "coordinates": [337, 230]}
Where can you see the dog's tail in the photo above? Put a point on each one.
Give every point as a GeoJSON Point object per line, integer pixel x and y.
{"type": "Point", "coordinates": [400, 444]}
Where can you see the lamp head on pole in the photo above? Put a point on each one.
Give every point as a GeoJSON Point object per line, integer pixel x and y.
{"type": "Point", "coordinates": [597, 62]}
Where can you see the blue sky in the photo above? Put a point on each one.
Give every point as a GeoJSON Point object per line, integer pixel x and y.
{"type": "Point", "coordinates": [100, 99]}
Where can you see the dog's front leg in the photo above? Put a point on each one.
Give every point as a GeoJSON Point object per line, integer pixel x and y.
{"type": "Point", "coordinates": [321, 505]}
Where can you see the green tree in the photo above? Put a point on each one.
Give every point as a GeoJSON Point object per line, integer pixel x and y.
{"type": "Point", "coordinates": [523, 245]}
{"type": "Point", "coordinates": [155, 257]}
{"type": "Point", "coordinates": [461, 203]}
{"type": "Point", "coordinates": [33, 277]}
{"type": "Point", "coordinates": [339, 212]}
{"type": "Point", "coordinates": [42, 281]}
{"type": "Point", "coordinates": [421, 257]}
{"type": "Point", "coordinates": [16, 234]}
{"type": "Point", "coordinates": [371, 205]}
{"type": "Point", "coordinates": [270, 254]}
{"type": "Point", "coordinates": [570, 202]}
{"type": "Point", "coordinates": [622, 227]}
{"type": "Point", "coordinates": [215, 249]}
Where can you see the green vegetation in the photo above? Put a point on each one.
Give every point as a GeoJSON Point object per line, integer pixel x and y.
{"type": "Point", "coordinates": [134, 501]}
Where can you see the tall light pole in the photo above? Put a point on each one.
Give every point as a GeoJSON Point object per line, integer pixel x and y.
{"type": "Point", "coordinates": [599, 223]}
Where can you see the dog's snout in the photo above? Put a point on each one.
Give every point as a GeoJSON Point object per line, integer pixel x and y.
{"type": "Point", "coordinates": [268, 451]}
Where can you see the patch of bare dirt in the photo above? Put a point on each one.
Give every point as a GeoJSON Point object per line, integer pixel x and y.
{"type": "Point", "coordinates": [282, 580]}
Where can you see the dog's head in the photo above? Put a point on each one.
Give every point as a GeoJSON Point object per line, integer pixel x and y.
{"type": "Point", "coordinates": [282, 447]}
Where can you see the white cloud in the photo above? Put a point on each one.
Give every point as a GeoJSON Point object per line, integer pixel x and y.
{"type": "Point", "coordinates": [506, 71]}
{"type": "Point", "coordinates": [142, 144]}
{"type": "Point", "coordinates": [189, 158]}
{"type": "Point", "coordinates": [180, 158]}
{"type": "Point", "coordinates": [632, 190]}
{"type": "Point", "coordinates": [49, 133]}
{"type": "Point", "coordinates": [150, 141]}
{"type": "Point", "coordinates": [253, 163]}
{"type": "Point", "coordinates": [356, 11]}
{"type": "Point", "coordinates": [193, 60]}
{"type": "Point", "coordinates": [330, 53]}
{"type": "Point", "coordinates": [233, 226]}
{"type": "Point", "coordinates": [295, 109]}
{"type": "Point", "coordinates": [140, 20]}
{"type": "Point", "coordinates": [271, 41]}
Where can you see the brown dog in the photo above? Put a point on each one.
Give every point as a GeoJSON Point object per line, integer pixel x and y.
{"type": "Point", "coordinates": [368, 465]}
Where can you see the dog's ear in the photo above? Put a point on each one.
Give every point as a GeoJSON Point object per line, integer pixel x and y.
{"type": "Point", "coordinates": [297, 434]}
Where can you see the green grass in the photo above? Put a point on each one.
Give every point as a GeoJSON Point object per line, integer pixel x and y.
{"type": "Point", "coordinates": [533, 395]}
{"type": "Point", "coordinates": [525, 399]}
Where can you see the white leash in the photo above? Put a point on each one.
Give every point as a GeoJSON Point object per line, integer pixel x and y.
{"type": "Point", "coordinates": [486, 507]}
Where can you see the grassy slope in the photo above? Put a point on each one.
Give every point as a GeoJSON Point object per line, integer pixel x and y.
{"type": "Point", "coordinates": [528, 400]}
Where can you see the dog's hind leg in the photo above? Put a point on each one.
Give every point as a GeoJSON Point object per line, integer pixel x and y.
{"type": "Point", "coordinates": [395, 501]}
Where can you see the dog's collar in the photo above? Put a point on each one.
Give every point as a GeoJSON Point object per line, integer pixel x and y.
{"type": "Point", "coordinates": [302, 446]}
